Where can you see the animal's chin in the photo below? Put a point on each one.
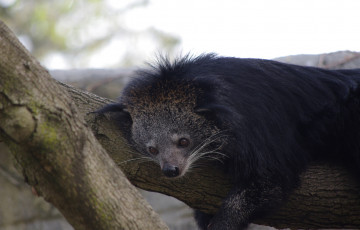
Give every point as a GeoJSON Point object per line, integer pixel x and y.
{"type": "Point", "coordinates": [171, 178]}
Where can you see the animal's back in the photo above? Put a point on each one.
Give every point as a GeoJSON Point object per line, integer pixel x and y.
{"type": "Point", "coordinates": [288, 114]}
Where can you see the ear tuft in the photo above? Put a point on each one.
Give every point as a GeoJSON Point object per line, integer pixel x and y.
{"type": "Point", "coordinates": [211, 108]}
{"type": "Point", "coordinates": [213, 112]}
{"type": "Point", "coordinates": [202, 110]}
{"type": "Point", "coordinates": [115, 107]}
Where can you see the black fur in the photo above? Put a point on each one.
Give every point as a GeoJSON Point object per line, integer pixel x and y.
{"type": "Point", "coordinates": [279, 117]}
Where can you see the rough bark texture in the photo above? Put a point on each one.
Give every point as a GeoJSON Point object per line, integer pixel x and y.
{"type": "Point", "coordinates": [327, 198]}
{"type": "Point", "coordinates": [57, 152]}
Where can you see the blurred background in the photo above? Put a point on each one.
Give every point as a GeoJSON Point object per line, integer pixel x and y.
{"type": "Point", "coordinates": [96, 45]}
{"type": "Point", "coordinates": [109, 33]}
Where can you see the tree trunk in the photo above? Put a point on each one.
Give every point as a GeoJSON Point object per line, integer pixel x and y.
{"type": "Point", "coordinates": [327, 198]}
{"type": "Point", "coordinates": [59, 156]}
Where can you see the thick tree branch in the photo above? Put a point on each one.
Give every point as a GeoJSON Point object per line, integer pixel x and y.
{"type": "Point", "coordinates": [58, 154]}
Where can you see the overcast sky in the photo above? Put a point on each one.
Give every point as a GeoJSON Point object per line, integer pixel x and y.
{"type": "Point", "coordinates": [241, 28]}
{"type": "Point", "coordinates": [256, 28]}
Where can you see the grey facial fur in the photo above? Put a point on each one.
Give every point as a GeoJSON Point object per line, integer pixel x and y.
{"type": "Point", "coordinates": [163, 132]}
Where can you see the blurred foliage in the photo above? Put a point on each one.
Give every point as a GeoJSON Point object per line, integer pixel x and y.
{"type": "Point", "coordinates": [78, 30]}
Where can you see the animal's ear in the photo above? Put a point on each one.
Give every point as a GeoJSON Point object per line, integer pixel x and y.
{"type": "Point", "coordinates": [120, 115]}
{"type": "Point", "coordinates": [219, 114]}
{"type": "Point", "coordinates": [211, 111]}
{"type": "Point", "coordinates": [115, 107]}
{"type": "Point", "coordinates": [204, 111]}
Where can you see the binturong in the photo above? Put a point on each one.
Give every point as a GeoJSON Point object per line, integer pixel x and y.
{"type": "Point", "coordinates": [265, 121]}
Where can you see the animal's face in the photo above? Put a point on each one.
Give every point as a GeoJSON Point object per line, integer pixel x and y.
{"type": "Point", "coordinates": [175, 140]}
{"type": "Point", "coordinates": [172, 123]}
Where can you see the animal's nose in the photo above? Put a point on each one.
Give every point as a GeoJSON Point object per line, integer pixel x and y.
{"type": "Point", "coordinates": [170, 170]}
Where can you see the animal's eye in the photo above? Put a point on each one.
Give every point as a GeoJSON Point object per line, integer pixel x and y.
{"type": "Point", "coordinates": [153, 150]}
{"type": "Point", "coordinates": [183, 142]}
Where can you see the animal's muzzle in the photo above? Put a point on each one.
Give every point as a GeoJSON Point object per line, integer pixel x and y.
{"type": "Point", "coordinates": [170, 170]}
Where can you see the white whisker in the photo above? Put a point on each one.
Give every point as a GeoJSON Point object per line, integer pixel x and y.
{"type": "Point", "coordinates": [209, 140]}
{"type": "Point", "coordinates": [213, 154]}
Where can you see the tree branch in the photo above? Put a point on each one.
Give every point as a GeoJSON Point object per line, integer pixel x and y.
{"type": "Point", "coordinates": [58, 154]}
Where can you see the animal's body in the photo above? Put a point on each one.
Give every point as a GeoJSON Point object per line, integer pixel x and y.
{"type": "Point", "coordinates": [263, 119]}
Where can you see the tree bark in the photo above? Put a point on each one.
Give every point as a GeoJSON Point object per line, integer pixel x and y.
{"type": "Point", "coordinates": [327, 198]}
{"type": "Point", "coordinates": [57, 152]}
